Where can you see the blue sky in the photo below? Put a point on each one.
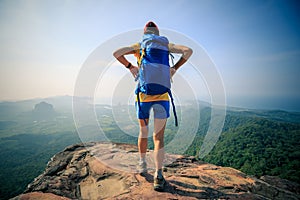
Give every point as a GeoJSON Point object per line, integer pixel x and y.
{"type": "Point", "coordinates": [254, 44]}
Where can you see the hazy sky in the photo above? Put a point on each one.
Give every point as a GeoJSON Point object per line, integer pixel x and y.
{"type": "Point", "coordinates": [254, 44]}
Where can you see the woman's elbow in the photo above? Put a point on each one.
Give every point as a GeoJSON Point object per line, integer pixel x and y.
{"type": "Point", "coordinates": [116, 54]}
{"type": "Point", "coordinates": [188, 52]}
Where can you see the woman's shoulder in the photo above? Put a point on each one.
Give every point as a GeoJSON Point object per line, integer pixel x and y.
{"type": "Point", "coordinates": [136, 45]}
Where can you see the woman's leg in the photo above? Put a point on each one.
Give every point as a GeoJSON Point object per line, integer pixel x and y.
{"type": "Point", "coordinates": [158, 139]}
{"type": "Point", "coordinates": [143, 138]}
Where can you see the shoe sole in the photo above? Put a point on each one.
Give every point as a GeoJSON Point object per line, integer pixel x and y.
{"type": "Point", "coordinates": [160, 188]}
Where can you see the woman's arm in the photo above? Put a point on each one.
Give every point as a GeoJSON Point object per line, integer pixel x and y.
{"type": "Point", "coordinates": [185, 51]}
{"type": "Point", "coordinates": [119, 54]}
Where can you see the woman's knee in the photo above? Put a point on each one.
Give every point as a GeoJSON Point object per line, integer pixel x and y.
{"type": "Point", "coordinates": [143, 132]}
{"type": "Point", "coordinates": [158, 136]}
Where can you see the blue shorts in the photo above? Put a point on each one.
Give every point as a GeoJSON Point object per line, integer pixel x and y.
{"type": "Point", "coordinates": [161, 109]}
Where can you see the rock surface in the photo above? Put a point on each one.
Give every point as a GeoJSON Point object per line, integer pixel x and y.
{"type": "Point", "coordinates": [107, 171]}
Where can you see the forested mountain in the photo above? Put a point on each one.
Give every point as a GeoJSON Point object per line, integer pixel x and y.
{"type": "Point", "coordinates": [260, 146]}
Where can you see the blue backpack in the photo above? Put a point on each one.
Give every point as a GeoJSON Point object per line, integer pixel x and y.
{"type": "Point", "coordinates": [154, 73]}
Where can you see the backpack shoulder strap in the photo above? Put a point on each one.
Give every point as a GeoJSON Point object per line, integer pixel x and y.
{"type": "Point", "coordinates": [173, 106]}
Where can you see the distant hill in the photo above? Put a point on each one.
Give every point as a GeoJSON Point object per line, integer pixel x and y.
{"type": "Point", "coordinates": [43, 111]}
{"type": "Point", "coordinates": [278, 115]}
{"type": "Point", "coordinates": [18, 110]}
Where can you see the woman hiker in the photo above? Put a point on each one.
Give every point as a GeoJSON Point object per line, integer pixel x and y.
{"type": "Point", "coordinates": [158, 102]}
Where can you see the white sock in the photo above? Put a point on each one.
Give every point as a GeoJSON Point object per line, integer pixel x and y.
{"type": "Point", "coordinates": [143, 160]}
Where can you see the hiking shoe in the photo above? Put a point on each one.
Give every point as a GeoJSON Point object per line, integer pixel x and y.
{"type": "Point", "coordinates": [159, 184]}
{"type": "Point", "coordinates": [142, 167]}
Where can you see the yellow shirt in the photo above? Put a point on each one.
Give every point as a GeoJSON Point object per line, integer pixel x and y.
{"type": "Point", "coordinates": [150, 98]}
{"type": "Point", "coordinates": [145, 97]}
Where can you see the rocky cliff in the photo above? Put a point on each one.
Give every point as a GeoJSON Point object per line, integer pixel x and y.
{"type": "Point", "coordinates": [107, 171]}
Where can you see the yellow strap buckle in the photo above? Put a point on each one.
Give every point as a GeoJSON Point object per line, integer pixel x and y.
{"type": "Point", "coordinates": [141, 57]}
